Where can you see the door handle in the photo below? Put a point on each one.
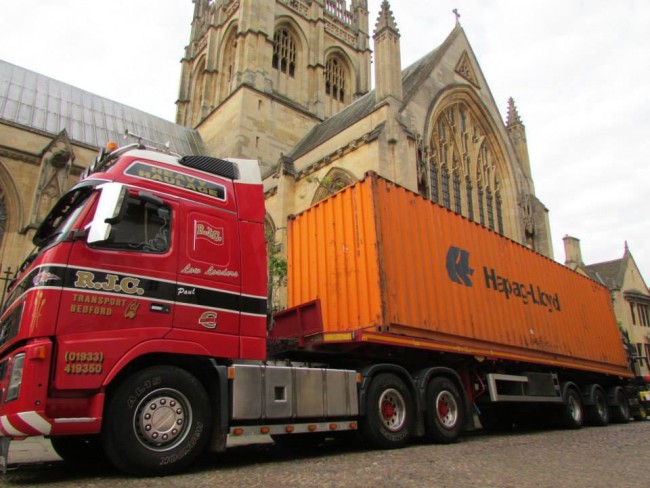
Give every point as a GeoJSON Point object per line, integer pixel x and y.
{"type": "Point", "coordinates": [159, 308]}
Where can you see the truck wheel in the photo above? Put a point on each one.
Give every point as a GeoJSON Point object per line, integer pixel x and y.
{"type": "Point", "coordinates": [444, 418]}
{"type": "Point", "coordinates": [157, 421]}
{"type": "Point", "coordinates": [389, 413]}
{"type": "Point", "coordinates": [598, 413]}
{"type": "Point", "coordinates": [621, 409]}
{"type": "Point", "coordinates": [572, 413]}
{"type": "Point", "coordinates": [79, 450]}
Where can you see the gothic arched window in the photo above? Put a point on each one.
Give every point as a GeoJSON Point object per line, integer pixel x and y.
{"type": "Point", "coordinates": [335, 79]}
{"type": "Point", "coordinates": [3, 217]}
{"type": "Point", "coordinates": [490, 208]}
{"type": "Point", "coordinates": [230, 59]}
{"type": "Point", "coordinates": [481, 204]}
{"type": "Point", "coordinates": [446, 201]}
{"type": "Point", "coordinates": [228, 66]}
{"type": "Point", "coordinates": [464, 168]}
{"type": "Point", "coordinates": [458, 207]}
{"type": "Point", "coordinates": [284, 52]}
{"type": "Point", "coordinates": [269, 234]}
{"type": "Point", "coordinates": [470, 198]}
{"type": "Point", "coordinates": [334, 181]}
{"type": "Point", "coordinates": [434, 183]}
{"type": "Point", "coordinates": [499, 212]}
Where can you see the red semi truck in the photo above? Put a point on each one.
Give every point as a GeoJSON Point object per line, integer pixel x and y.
{"type": "Point", "coordinates": [138, 328]}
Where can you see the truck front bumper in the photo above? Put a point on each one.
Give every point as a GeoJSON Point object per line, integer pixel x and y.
{"type": "Point", "coordinates": [23, 390]}
{"type": "Point", "coordinates": [25, 408]}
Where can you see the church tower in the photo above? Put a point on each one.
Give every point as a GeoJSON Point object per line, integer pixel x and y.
{"type": "Point", "coordinates": [258, 74]}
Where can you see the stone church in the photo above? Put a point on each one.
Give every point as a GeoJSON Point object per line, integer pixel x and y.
{"type": "Point", "coordinates": [288, 82]}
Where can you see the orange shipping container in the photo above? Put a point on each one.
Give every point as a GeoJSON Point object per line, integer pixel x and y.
{"type": "Point", "coordinates": [386, 261]}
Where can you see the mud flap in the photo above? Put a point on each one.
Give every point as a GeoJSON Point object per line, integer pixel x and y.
{"type": "Point", "coordinates": [4, 453]}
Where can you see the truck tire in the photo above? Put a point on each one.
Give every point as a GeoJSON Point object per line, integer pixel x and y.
{"type": "Point", "coordinates": [79, 450]}
{"type": "Point", "coordinates": [157, 421]}
{"type": "Point", "coordinates": [444, 417]}
{"type": "Point", "coordinates": [621, 408]}
{"type": "Point", "coordinates": [572, 412]}
{"type": "Point", "coordinates": [598, 413]}
{"type": "Point", "coordinates": [389, 413]}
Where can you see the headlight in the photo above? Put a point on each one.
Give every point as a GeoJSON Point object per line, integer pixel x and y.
{"type": "Point", "coordinates": [15, 377]}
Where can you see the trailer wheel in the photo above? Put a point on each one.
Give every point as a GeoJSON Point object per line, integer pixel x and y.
{"type": "Point", "coordinates": [598, 413]}
{"type": "Point", "coordinates": [389, 413]}
{"type": "Point", "coordinates": [157, 421]}
{"type": "Point", "coordinates": [572, 413]}
{"type": "Point", "coordinates": [79, 450]}
{"type": "Point", "coordinates": [444, 417]}
{"type": "Point", "coordinates": [621, 408]}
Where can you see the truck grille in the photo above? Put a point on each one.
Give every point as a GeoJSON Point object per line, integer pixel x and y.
{"type": "Point", "coordinates": [10, 325]}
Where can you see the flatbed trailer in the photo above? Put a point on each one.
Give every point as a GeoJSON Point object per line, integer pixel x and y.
{"type": "Point", "coordinates": [137, 331]}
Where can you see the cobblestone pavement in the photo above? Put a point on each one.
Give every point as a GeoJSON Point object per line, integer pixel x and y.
{"type": "Point", "coordinates": [591, 457]}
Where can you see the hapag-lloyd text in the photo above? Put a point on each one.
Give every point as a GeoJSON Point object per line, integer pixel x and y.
{"type": "Point", "coordinates": [528, 293]}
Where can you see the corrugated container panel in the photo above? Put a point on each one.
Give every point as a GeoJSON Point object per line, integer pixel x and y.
{"type": "Point", "coordinates": [382, 258]}
{"type": "Point", "coordinates": [333, 256]}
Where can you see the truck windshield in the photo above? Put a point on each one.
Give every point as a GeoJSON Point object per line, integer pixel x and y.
{"type": "Point", "coordinates": [58, 222]}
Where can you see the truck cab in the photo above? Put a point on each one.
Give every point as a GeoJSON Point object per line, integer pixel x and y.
{"type": "Point", "coordinates": [149, 255]}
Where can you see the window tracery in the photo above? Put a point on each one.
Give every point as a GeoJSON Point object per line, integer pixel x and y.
{"type": "Point", "coordinates": [335, 79]}
{"type": "Point", "coordinates": [3, 216]}
{"type": "Point", "coordinates": [228, 68]}
{"type": "Point", "coordinates": [463, 170]}
{"type": "Point", "coordinates": [284, 52]}
{"type": "Point", "coordinates": [334, 181]}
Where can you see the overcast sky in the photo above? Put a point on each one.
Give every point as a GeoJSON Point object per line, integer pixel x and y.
{"type": "Point", "coordinates": [579, 72]}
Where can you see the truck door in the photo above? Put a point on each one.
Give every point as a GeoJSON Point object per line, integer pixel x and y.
{"type": "Point", "coordinates": [209, 282]}
{"type": "Point", "coordinates": [119, 292]}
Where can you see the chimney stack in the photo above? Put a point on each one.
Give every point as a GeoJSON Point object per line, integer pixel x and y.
{"type": "Point", "coordinates": [572, 252]}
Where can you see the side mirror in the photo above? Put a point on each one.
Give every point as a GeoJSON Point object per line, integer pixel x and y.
{"type": "Point", "coordinates": [110, 209]}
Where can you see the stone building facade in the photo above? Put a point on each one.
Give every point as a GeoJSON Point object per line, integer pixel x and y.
{"type": "Point", "coordinates": [49, 133]}
{"type": "Point", "coordinates": [288, 82]}
{"type": "Point", "coordinates": [630, 297]}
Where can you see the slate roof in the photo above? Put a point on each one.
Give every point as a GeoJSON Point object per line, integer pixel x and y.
{"type": "Point", "coordinates": [415, 74]}
{"type": "Point", "coordinates": [40, 103]}
{"type": "Point", "coordinates": [609, 273]}
{"type": "Point", "coordinates": [335, 124]}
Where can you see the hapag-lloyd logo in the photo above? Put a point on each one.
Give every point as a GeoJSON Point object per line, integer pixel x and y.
{"type": "Point", "coordinates": [459, 271]}
{"type": "Point", "coordinates": [458, 266]}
